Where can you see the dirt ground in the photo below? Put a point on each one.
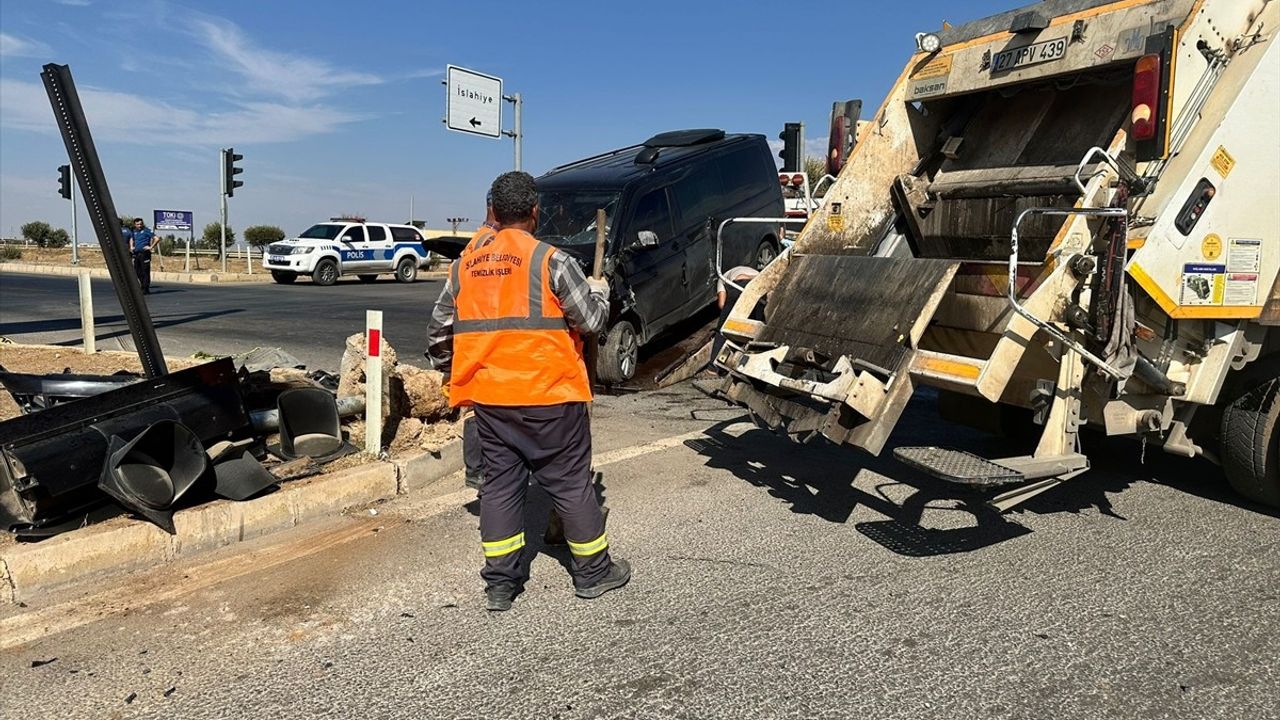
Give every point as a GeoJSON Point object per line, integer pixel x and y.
{"type": "Point", "coordinates": [91, 257]}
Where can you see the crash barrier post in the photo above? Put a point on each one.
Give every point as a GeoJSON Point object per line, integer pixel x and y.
{"type": "Point", "coordinates": [86, 314]}
{"type": "Point", "coordinates": [373, 382]}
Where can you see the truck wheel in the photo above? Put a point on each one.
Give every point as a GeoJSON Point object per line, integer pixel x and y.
{"type": "Point", "coordinates": [407, 270]}
{"type": "Point", "coordinates": [367, 278]}
{"type": "Point", "coordinates": [1249, 454]}
{"type": "Point", "coordinates": [765, 254]}
{"type": "Point", "coordinates": [326, 272]}
{"type": "Point", "coordinates": [282, 277]}
{"type": "Point", "coordinates": [619, 354]}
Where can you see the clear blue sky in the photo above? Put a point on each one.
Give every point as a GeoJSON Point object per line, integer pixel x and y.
{"type": "Point", "coordinates": [337, 106]}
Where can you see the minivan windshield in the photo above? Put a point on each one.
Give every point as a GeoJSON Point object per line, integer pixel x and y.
{"type": "Point", "coordinates": [568, 217]}
{"type": "Point", "coordinates": [323, 231]}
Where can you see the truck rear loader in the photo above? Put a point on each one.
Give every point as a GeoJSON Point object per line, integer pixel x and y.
{"type": "Point", "coordinates": [1069, 211]}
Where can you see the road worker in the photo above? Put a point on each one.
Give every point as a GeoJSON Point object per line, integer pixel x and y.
{"type": "Point", "coordinates": [511, 317]}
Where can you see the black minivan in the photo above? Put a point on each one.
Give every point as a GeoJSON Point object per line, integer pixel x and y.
{"type": "Point", "coordinates": [664, 201]}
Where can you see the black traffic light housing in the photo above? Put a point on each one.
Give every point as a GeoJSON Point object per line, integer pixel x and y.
{"type": "Point", "coordinates": [229, 172]}
{"type": "Point", "coordinates": [791, 141]}
{"type": "Point", "coordinates": [64, 181]}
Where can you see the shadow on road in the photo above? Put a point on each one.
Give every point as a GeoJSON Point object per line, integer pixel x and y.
{"type": "Point", "coordinates": [66, 324]}
{"type": "Point", "coordinates": [829, 482]}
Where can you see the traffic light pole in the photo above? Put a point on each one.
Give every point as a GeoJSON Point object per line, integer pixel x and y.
{"type": "Point", "coordinates": [518, 133]}
{"type": "Point", "coordinates": [223, 246]}
{"type": "Point", "coordinates": [75, 236]}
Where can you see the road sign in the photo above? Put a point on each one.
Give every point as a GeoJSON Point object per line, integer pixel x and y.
{"type": "Point", "coordinates": [473, 102]}
{"type": "Point", "coordinates": [172, 220]}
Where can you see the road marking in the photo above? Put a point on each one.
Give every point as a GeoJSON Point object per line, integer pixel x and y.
{"type": "Point", "coordinates": [635, 451]}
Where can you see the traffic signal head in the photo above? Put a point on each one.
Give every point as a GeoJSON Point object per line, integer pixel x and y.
{"type": "Point", "coordinates": [229, 172]}
{"type": "Point", "coordinates": [791, 141]}
{"type": "Point", "coordinates": [64, 181]}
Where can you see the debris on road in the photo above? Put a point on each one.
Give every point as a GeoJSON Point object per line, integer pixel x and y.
{"type": "Point", "coordinates": [415, 410]}
{"type": "Point", "coordinates": [42, 663]}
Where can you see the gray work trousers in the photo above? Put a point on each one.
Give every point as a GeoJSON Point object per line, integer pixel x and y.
{"type": "Point", "coordinates": [553, 443]}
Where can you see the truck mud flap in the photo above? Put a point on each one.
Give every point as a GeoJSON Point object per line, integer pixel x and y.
{"type": "Point", "coordinates": [833, 356]}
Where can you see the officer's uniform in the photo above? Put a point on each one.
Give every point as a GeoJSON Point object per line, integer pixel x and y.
{"type": "Point", "coordinates": [519, 365]}
{"type": "Point", "coordinates": [140, 245]}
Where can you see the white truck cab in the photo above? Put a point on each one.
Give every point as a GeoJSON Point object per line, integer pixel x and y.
{"type": "Point", "coordinates": [327, 251]}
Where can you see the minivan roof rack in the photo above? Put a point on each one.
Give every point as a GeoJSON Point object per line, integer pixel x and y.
{"type": "Point", "coordinates": [684, 138]}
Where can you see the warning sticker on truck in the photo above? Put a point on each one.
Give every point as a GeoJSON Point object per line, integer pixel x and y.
{"type": "Point", "coordinates": [1241, 289]}
{"type": "Point", "coordinates": [1203, 284]}
{"type": "Point", "coordinates": [1245, 255]}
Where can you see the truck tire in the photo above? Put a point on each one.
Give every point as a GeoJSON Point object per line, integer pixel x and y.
{"type": "Point", "coordinates": [1249, 452]}
{"type": "Point", "coordinates": [407, 270]}
{"type": "Point", "coordinates": [619, 354]}
{"type": "Point", "coordinates": [765, 254]}
{"type": "Point", "coordinates": [284, 278]}
{"type": "Point", "coordinates": [367, 278]}
{"type": "Point", "coordinates": [326, 272]}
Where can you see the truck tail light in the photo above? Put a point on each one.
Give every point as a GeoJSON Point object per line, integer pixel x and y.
{"type": "Point", "coordinates": [797, 180]}
{"type": "Point", "coordinates": [1146, 98]}
{"type": "Point", "coordinates": [783, 179]}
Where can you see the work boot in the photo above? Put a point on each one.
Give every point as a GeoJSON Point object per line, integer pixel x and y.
{"type": "Point", "coordinates": [619, 574]}
{"type": "Point", "coordinates": [473, 481]}
{"type": "Point", "coordinates": [500, 596]}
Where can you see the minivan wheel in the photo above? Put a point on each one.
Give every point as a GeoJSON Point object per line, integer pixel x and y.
{"type": "Point", "coordinates": [407, 270]}
{"type": "Point", "coordinates": [282, 277]}
{"type": "Point", "coordinates": [765, 254]}
{"type": "Point", "coordinates": [326, 273]}
{"type": "Point", "coordinates": [619, 354]}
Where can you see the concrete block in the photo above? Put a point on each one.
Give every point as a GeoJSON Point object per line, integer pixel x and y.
{"type": "Point", "coordinates": [96, 550]}
{"type": "Point", "coordinates": [422, 474]}
{"type": "Point", "coordinates": [357, 486]}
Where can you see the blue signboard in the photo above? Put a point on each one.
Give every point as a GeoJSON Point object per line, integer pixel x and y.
{"type": "Point", "coordinates": [173, 220]}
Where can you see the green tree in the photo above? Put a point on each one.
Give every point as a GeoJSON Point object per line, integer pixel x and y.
{"type": "Point", "coordinates": [816, 169]}
{"type": "Point", "coordinates": [126, 222]}
{"type": "Point", "coordinates": [168, 244]}
{"type": "Point", "coordinates": [260, 236]}
{"type": "Point", "coordinates": [43, 235]}
{"type": "Point", "coordinates": [212, 235]}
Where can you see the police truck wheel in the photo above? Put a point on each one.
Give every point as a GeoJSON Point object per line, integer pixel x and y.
{"type": "Point", "coordinates": [1249, 449]}
{"type": "Point", "coordinates": [619, 354]}
{"type": "Point", "coordinates": [407, 270]}
{"type": "Point", "coordinates": [326, 273]}
{"type": "Point", "coordinates": [765, 254]}
{"type": "Point", "coordinates": [282, 277]}
{"type": "Point", "coordinates": [367, 278]}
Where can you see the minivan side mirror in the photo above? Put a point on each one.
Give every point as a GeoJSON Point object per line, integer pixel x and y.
{"type": "Point", "coordinates": [647, 239]}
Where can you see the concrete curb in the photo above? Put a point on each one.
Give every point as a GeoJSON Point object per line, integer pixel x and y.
{"type": "Point", "coordinates": [173, 277]}
{"type": "Point", "coordinates": [157, 276]}
{"type": "Point", "coordinates": [121, 546]}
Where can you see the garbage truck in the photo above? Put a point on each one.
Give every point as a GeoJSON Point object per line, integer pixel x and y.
{"type": "Point", "coordinates": [1067, 212]}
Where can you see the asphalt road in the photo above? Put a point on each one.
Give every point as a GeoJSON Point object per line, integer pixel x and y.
{"type": "Point", "coordinates": [771, 581]}
{"type": "Point", "coordinates": [308, 321]}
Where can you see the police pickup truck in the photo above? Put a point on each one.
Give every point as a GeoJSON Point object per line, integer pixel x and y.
{"type": "Point", "coordinates": [329, 250]}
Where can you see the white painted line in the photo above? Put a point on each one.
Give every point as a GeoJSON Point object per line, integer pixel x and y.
{"type": "Point", "coordinates": [635, 451]}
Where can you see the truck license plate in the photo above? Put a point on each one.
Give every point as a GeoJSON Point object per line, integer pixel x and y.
{"type": "Point", "coordinates": [277, 260]}
{"type": "Point", "coordinates": [1033, 54]}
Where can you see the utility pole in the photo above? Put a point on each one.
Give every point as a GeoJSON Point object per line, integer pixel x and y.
{"type": "Point", "coordinates": [455, 222]}
{"type": "Point", "coordinates": [411, 208]}
{"type": "Point", "coordinates": [518, 133]}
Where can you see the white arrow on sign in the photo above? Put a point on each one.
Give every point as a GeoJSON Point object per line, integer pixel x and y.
{"type": "Point", "coordinates": [473, 102]}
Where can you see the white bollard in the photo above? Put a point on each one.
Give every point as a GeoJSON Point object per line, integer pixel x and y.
{"type": "Point", "coordinates": [86, 314]}
{"type": "Point", "coordinates": [373, 382]}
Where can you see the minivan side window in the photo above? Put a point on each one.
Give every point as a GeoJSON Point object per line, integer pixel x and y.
{"type": "Point", "coordinates": [376, 233]}
{"type": "Point", "coordinates": [741, 172]}
{"type": "Point", "coordinates": [353, 233]}
{"type": "Point", "coordinates": [699, 194]}
{"type": "Point", "coordinates": [653, 212]}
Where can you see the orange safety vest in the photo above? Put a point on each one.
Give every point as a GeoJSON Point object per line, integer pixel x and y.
{"type": "Point", "coordinates": [511, 345]}
{"type": "Point", "coordinates": [477, 237]}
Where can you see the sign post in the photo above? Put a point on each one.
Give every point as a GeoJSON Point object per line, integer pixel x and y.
{"type": "Point", "coordinates": [177, 220]}
{"type": "Point", "coordinates": [75, 232]}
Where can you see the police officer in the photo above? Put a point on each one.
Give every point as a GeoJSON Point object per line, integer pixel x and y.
{"type": "Point", "coordinates": [141, 242]}
{"type": "Point", "coordinates": [516, 310]}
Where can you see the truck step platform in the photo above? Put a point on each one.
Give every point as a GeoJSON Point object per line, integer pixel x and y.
{"type": "Point", "coordinates": [958, 466]}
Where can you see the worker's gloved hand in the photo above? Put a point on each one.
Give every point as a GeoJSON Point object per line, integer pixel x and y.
{"type": "Point", "coordinates": [598, 287]}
